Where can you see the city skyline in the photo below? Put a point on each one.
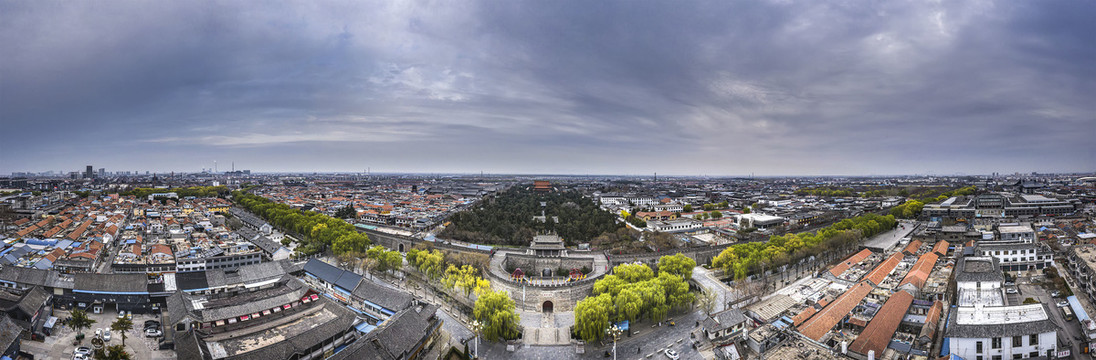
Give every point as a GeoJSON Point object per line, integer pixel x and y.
{"type": "Point", "coordinates": [722, 89]}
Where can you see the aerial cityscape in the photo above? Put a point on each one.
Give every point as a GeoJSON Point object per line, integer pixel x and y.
{"type": "Point", "coordinates": [415, 180]}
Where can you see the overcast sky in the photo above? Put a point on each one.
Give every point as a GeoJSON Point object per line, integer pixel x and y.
{"type": "Point", "coordinates": [583, 87]}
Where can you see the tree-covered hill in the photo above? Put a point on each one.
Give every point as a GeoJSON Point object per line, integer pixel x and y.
{"type": "Point", "coordinates": [507, 218]}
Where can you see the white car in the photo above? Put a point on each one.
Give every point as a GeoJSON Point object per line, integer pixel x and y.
{"type": "Point", "coordinates": [121, 314]}
{"type": "Point", "coordinates": [83, 350]}
{"type": "Point", "coordinates": [1011, 291]}
{"type": "Point", "coordinates": [79, 357]}
{"type": "Point", "coordinates": [153, 333]}
{"type": "Point", "coordinates": [105, 335]}
{"type": "Point", "coordinates": [670, 353]}
{"type": "Point", "coordinates": [1063, 304]}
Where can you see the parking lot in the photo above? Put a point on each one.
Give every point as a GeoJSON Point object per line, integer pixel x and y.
{"type": "Point", "coordinates": [60, 345]}
{"type": "Point", "coordinates": [1038, 289]}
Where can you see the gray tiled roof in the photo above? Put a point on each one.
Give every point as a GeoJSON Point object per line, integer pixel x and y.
{"type": "Point", "coordinates": [955, 330]}
{"type": "Point", "coordinates": [93, 282]}
{"type": "Point", "coordinates": [252, 302]}
{"type": "Point", "coordinates": [9, 332]}
{"type": "Point", "coordinates": [724, 319]}
{"type": "Point", "coordinates": [396, 338]}
{"type": "Point", "coordinates": [388, 298]}
{"type": "Point", "coordinates": [979, 269]}
{"type": "Point", "coordinates": [331, 274]}
{"type": "Point", "coordinates": [300, 343]}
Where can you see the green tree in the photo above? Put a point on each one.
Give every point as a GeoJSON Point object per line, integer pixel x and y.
{"type": "Point", "coordinates": [688, 208]}
{"type": "Point", "coordinates": [122, 325]}
{"type": "Point", "coordinates": [716, 214]}
{"type": "Point", "coordinates": [746, 210]}
{"type": "Point", "coordinates": [495, 309]}
{"type": "Point", "coordinates": [677, 264]}
{"type": "Point", "coordinates": [633, 272]}
{"type": "Point", "coordinates": [112, 352]}
{"type": "Point", "coordinates": [346, 212]}
{"type": "Point", "coordinates": [80, 321]}
{"type": "Point", "coordinates": [629, 303]}
{"type": "Point", "coordinates": [350, 243]}
{"type": "Point", "coordinates": [592, 316]}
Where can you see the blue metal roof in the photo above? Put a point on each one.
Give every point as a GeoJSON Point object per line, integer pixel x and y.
{"type": "Point", "coordinates": [1077, 309]}
{"type": "Point", "coordinates": [365, 327]}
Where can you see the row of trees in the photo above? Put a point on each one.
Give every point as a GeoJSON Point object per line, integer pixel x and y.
{"type": "Point", "coordinates": [494, 309]}
{"type": "Point", "coordinates": [508, 218]}
{"type": "Point", "coordinates": [318, 230]}
{"type": "Point", "coordinates": [908, 210]}
{"type": "Point", "coordinates": [633, 292]}
{"type": "Point", "coordinates": [195, 191]}
{"type": "Point", "coordinates": [779, 250]}
{"type": "Point", "coordinates": [710, 215]}
{"type": "Point", "coordinates": [912, 208]}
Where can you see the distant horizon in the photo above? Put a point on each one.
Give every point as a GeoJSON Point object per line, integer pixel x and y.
{"type": "Point", "coordinates": [651, 175]}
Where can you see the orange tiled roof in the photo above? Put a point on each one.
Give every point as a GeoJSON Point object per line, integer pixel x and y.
{"type": "Point", "coordinates": [880, 273]}
{"type": "Point", "coordinates": [852, 260]}
{"type": "Point", "coordinates": [921, 270]}
{"type": "Point", "coordinates": [877, 335]}
{"type": "Point", "coordinates": [941, 247]}
{"type": "Point", "coordinates": [821, 323]}
{"type": "Point", "coordinates": [912, 247]}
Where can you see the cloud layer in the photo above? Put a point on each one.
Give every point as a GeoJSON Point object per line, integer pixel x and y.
{"type": "Point", "coordinates": [771, 87]}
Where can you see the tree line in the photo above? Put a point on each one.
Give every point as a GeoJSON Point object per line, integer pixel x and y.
{"type": "Point", "coordinates": [317, 231]}
{"type": "Point", "coordinates": [495, 309]}
{"type": "Point", "coordinates": [195, 191]}
{"type": "Point", "coordinates": [743, 259]}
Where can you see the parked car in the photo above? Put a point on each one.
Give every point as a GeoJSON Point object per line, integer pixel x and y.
{"type": "Point", "coordinates": [1063, 304]}
{"type": "Point", "coordinates": [1011, 291]}
{"type": "Point", "coordinates": [1055, 293]}
{"type": "Point", "coordinates": [153, 333]}
{"type": "Point", "coordinates": [121, 314]}
{"type": "Point", "coordinates": [670, 353]}
{"type": "Point", "coordinates": [83, 350]}
{"type": "Point", "coordinates": [106, 335]}
{"type": "Point", "coordinates": [152, 324]}
{"type": "Point", "coordinates": [98, 332]}
{"type": "Point", "coordinates": [79, 357]}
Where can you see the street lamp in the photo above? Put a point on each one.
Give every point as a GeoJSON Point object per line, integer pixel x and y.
{"type": "Point", "coordinates": [614, 331]}
{"type": "Point", "coordinates": [476, 327]}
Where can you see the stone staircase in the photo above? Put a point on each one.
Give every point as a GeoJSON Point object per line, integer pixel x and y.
{"type": "Point", "coordinates": [547, 333]}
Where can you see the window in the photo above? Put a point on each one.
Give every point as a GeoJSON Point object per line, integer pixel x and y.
{"type": "Point", "coordinates": [1033, 340]}
{"type": "Point", "coordinates": [1034, 354]}
{"type": "Point", "coordinates": [978, 347]}
{"type": "Point", "coordinates": [996, 357]}
{"type": "Point", "coordinates": [1017, 341]}
{"type": "Point", "coordinates": [996, 343]}
{"type": "Point", "coordinates": [1016, 356]}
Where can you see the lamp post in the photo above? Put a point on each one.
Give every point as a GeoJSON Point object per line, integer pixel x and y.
{"type": "Point", "coordinates": [476, 327]}
{"type": "Point", "coordinates": [614, 331]}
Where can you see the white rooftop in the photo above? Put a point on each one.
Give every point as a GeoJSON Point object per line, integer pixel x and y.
{"type": "Point", "coordinates": [981, 297]}
{"type": "Point", "coordinates": [1015, 229]}
{"type": "Point", "coordinates": [1000, 315]}
{"type": "Point", "coordinates": [1036, 198]}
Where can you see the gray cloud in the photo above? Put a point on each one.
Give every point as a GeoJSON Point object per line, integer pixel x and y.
{"type": "Point", "coordinates": [776, 87]}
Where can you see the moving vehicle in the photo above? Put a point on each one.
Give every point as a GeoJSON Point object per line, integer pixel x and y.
{"type": "Point", "coordinates": [83, 350]}
{"type": "Point", "coordinates": [153, 332]}
{"type": "Point", "coordinates": [1068, 313]}
{"type": "Point", "coordinates": [670, 353]}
